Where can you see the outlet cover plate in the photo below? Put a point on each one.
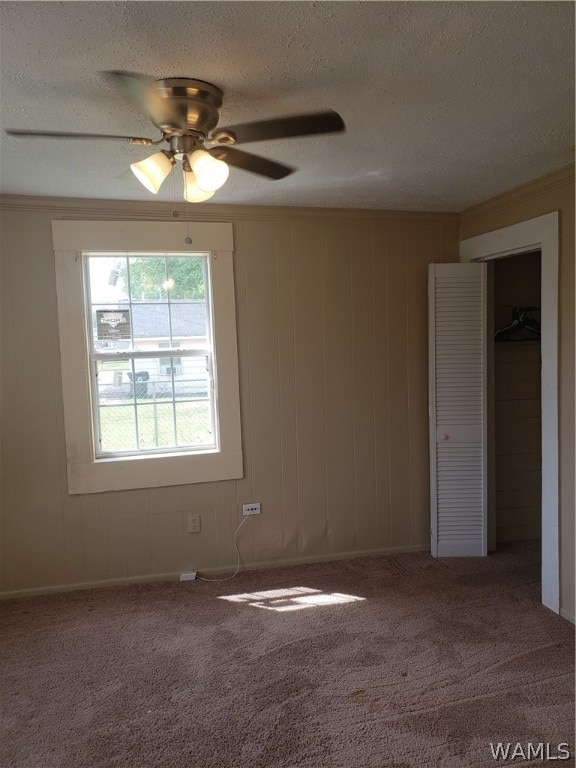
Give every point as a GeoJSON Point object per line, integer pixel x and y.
{"type": "Point", "coordinates": [194, 522]}
{"type": "Point", "coordinates": [251, 509]}
{"type": "Point", "coordinates": [188, 576]}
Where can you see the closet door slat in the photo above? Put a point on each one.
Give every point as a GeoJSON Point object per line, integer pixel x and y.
{"type": "Point", "coordinates": [458, 409]}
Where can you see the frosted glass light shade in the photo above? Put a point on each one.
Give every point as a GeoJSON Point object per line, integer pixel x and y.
{"type": "Point", "coordinates": [152, 171]}
{"type": "Point", "coordinates": [192, 192]}
{"type": "Point", "coordinates": [210, 173]}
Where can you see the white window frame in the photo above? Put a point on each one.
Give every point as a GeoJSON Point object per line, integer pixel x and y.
{"type": "Point", "coordinates": [86, 473]}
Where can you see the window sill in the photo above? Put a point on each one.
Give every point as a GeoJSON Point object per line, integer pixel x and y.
{"type": "Point", "coordinates": [128, 472]}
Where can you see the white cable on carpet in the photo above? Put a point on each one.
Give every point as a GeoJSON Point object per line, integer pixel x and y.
{"type": "Point", "coordinates": [237, 554]}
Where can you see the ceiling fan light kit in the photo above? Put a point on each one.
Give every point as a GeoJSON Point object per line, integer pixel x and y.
{"type": "Point", "coordinates": [186, 112]}
{"type": "Point", "coordinates": [192, 192]}
{"type": "Point", "coordinates": [152, 171]}
{"type": "Point", "coordinates": [211, 174]}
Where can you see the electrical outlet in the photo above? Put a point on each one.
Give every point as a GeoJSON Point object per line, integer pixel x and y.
{"type": "Point", "coordinates": [194, 522]}
{"type": "Point", "coordinates": [251, 509]}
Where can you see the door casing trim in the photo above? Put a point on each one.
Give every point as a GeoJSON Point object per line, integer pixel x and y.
{"type": "Point", "coordinates": [540, 233]}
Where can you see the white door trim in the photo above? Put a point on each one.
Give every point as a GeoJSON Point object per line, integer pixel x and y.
{"type": "Point", "coordinates": [539, 233]}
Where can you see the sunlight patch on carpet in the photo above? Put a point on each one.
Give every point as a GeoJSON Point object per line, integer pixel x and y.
{"type": "Point", "coordinates": [291, 599]}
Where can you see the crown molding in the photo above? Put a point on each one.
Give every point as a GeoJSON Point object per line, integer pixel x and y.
{"type": "Point", "coordinates": [551, 181]}
{"type": "Point", "coordinates": [74, 208]}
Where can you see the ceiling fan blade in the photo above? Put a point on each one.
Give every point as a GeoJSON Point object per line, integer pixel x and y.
{"type": "Point", "coordinates": [251, 163]}
{"type": "Point", "coordinates": [59, 135]}
{"type": "Point", "coordinates": [132, 85]}
{"type": "Point", "coordinates": [138, 88]}
{"type": "Point", "coordinates": [280, 128]}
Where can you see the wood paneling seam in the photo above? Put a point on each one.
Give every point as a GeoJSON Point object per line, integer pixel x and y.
{"type": "Point", "coordinates": [353, 389]}
{"type": "Point", "coordinates": [374, 426]}
{"type": "Point", "coordinates": [282, 461]}
{"type": "Point", "coordinates": [408, 423]}
{"type": "Point", "coordinates": [295, 388]}
{"type": "Point", "coordinates": [327, 526]}
{"type": "Point", "coordinates": [387, 332]}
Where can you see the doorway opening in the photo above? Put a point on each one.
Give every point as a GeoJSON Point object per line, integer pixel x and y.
{"type": "Point", "coordinates": [515, 400]}
{"type": "Point", "coordinates": [524, 238]}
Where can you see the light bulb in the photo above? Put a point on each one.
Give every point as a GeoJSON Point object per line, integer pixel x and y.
{"type": "Point", "coordinates": [210, 173]}
{"type": "Point", "coordinates": [192, 192]}
{"type": "Point", "coordinates": [152, 171]}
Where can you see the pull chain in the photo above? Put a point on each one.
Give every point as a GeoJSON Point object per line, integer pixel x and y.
{"type": "Point", "coordinates": [175, 213]}
{"type": "Point", "coordinates": [187, 239]}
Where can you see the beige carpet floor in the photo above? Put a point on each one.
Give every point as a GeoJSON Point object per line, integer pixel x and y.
{"type": "Point", "coordinates": [436, 660]}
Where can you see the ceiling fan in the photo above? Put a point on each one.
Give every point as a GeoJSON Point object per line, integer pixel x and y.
{"type": "Point", "coordinates": [186, 113]}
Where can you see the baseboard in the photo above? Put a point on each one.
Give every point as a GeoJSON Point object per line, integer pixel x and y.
{"type": "Point", "coordinates": [568, 616]}
{"type": "Point", "coordinates": [157, 577]}
{"type": "Point", "coordinates": [78, 586]}
{"type": "Point", "coordinates": [328, 558]}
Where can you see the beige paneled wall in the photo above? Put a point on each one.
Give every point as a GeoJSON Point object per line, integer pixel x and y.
{"type": "Point", "coordinates": [554, 192]}
{"type": "Point", "coordinates": [332, 335]}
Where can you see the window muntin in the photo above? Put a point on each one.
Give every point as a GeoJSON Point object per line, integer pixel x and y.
{"type": "Point", "coordinates": [140, 307]}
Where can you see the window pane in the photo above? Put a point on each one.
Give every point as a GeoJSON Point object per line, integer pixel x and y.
{"type": "Point", "coordinates": [186, 277]}
{"type": "Point", "coordinates": [151, 325]}
{"type": "Point", "coordinates": [189, 323]}
{"type": "Point", "coordinates": [111, 327]}
{"type": "Point", "coordinates": [139, 376]}
{"type": "Point", "coordinates": [117, 427]}
{"type": "Point", "coordinates": [115, 406]}
{"type": "Point", "coordinates": [156, 425]}
{"type": "Point", "coordinates": [113, 382]}
{"type": "Point", "coordinates": [170, 365]}
{"type": "Point", "coordinates": [107, 285]}
{"type": "Point", "coordinates": [150, 384]}
{"type": "Point", "coordinates": [148, 278]}
{"type": "Point", "coordinates": [194, 382]}
{"type": "Point", "coordinates": [194, 423]}
{"type": "Point", "coordinates": [151, 378]}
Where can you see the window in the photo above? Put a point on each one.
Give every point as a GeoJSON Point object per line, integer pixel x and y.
{"type": "Point", "coordinates": [137, 415]}
{"type": "Point", "coordinates": [139, 304]}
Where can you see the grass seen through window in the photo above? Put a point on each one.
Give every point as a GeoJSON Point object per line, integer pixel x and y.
{"type": "Point", "coordinates": [155, 425]}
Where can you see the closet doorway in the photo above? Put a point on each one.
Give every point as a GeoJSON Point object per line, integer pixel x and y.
{"type": "Point", "coordinates": [514, 400]}
{"type": "Point", "coordinates": [523, 239]}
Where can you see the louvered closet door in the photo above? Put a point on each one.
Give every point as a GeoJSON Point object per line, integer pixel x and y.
{"type": "Point", "coordinates": [458, 409]}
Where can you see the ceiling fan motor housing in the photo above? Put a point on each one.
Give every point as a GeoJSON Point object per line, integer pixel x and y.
{"type": "Point", "coordinates": [191, 106]}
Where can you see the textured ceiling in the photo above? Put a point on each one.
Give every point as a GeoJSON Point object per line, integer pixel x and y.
{"type": "Point", "coordinates": [446, 104]}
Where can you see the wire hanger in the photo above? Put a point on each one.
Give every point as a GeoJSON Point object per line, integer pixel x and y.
{"type": "Point", "coordinates": [523, 327]}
